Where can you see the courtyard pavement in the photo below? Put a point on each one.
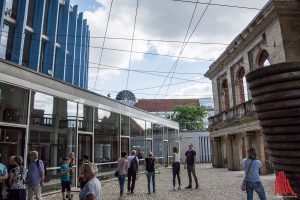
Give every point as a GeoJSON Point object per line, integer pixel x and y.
{"type": "Point", "coordinates": [214, 184]}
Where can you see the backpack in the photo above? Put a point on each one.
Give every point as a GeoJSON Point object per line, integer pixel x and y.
{"type": "Point", "coordinates": [134, 165]}
{"type": "Point", "coordinates": [45, 168]}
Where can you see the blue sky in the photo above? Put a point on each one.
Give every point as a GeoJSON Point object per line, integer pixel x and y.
{"type": "Point", "coordinates": [159, 20]}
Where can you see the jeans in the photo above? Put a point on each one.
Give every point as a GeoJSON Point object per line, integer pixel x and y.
{"type": "Point", "coordinates": [131, 175]}
{"type": "Point", "coordinates": [259, 189]}
{"type": "Point", "coordinates": [149, 176]}
{"type": "Point", "coordinates": [176, 171]}
{"type": "Point", "coordinates": [190, 169]}
{"type": "Point", "coordinates": [121, 183]}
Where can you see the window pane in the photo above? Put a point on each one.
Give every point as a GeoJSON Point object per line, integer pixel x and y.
{"type": "Point", "coordinates": [106, 138]}
{"type": "Point", "coordinates": [45, 23]}
{"type": "Point", "coordinates": [42, 56]}
{"type": "Point", "coordinates": [11, 7]}
{"type": "Point", "coordinates": [157, 140]}
{"type": "Point", "coordinates": [149, 129]}
{"type": "Point", "coordinates": [13, 104]}
{"type": "Point", "coordinates": [165, 133]}
{"type": "Point", "coordinates": [7, 42]}
{"type": "Point", "coordinates": [52, 128]}
{"type": "Point", "coordinates": [26, 49]}
{"type": "Point", "coordinates": [85, 118]}
{"type": "Point", "coordinates": [137, 136]}
{"type": "Point", "coordinates": [172, 140]}
{"type": "Point", "coordinates": [125, 126]}
{"type": "Point", "coordinates": [30, 14]}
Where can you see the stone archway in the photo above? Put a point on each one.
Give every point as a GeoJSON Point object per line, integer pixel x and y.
{"type": "Point", "coordinates": [263, 59]}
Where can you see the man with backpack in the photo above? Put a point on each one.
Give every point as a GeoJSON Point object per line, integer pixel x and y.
{"type": "Point", "coordinates": [133, 165]}
{"type": "Point", "coordinates": [35, 176]}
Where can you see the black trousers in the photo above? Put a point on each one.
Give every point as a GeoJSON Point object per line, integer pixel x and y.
{"type": "Point", "coordinates": [176, 172]}
{"type": "Point", "coordinates": [17, 194]}
{"type": "Point", "coordinates": [131, 177]}
{"type": "Point", "coordinates": [1, 187]}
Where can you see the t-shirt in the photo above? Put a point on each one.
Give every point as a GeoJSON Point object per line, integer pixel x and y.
{"type": "Point", "coordinates": [150, 164]}
{"type": "Point", "coordinates": [3, 171]}
{"type": "Point", "coordinates": [253, 174]}
{"type": "Point", "coordinates": [190, 157]}
{"type": "Point", "coordinates": [65, 176]}
{"type": "Point", "coordinates": [33, 174]}
{"type": "Point", "coordinates": [93, 186]}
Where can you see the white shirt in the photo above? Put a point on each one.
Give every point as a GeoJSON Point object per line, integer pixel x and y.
{"type": "Point", "coordinates": [176, 158]}
{"type": "Point", "coordinates": [91, 187]}
{"type": "Point", "coordinates": [129, 158]}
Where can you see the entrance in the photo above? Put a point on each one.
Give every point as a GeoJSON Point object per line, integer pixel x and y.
{"type": "Point", "coordinates": [166, 154]}
{"type": "Point", "coordinates": [85, 144]}
{"type": "Point", "coordinates": [12, 143]}
{"type": "Point", "coordinates": [125, 145]}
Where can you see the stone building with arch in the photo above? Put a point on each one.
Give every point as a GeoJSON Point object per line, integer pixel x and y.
{"type": "Point", "coordinates": [273, 36]}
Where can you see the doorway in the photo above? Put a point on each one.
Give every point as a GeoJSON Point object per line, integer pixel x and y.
{"type": "Point", "coordinates": [125, 145]}
{"type": "Point", "coordinates": [85, 144]}
{"type": "Point", "coordinates": [12, 143]}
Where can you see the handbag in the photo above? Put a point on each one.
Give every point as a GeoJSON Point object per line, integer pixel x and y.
{"type": "Point", "coordinates": [243, 185]}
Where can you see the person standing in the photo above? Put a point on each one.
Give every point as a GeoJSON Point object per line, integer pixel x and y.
{"type": "Point", "coordinates": [65, 179]}
{"type": "Point", "coordinates": [72, 163]}
{"type": "Point", "coordinates": [176, 168]}
{"type": "Point", "coordinates": [190, 166]}
{"type": "Point", "coordinates": [251, 169]}
{"type": "Point", "coordinates": [133, 165]}
{"type": "Point", "coordinates": [81, 179]}
{"type": "Point", "coordinates": [150, 171]}
{"type": "Point", "coordinates": [17, 181]}
{"type": "Point", "coordinates": [92, 189]}
{"type": "Point", "coordinates": [35, 176]}
{"type": "Point", "coordinates": [3, 177]}
{"type": "Point", "coordinates": [122, 169]}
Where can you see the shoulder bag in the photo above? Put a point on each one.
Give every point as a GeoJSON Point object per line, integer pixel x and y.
{"type": "Point", "coordinates": [243, 185]}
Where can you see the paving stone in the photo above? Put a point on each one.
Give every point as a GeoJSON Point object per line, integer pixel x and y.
{"type": "Point", "coordinates": [214, 184]}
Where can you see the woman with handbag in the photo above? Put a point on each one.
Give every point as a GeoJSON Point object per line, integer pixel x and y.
{"type": "Point", "coordinates": [251, 168]}
{"type": "Point", "coordinates": [121, 171]}
{"type": "Point", "coordinates": [150, 171]}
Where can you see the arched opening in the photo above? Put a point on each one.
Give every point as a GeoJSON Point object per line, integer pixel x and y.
{"type": "Point", "coordinates": [225, 95]}
{"type": "Point", "coordinates": [263, 59]}
{"type": "Point", "coordinates": [241, 86]}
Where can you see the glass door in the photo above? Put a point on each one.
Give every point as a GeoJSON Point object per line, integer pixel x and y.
{"type": "Point", "coordinates": [125, 145]}
{"type": "Point", "coordinates": [12, 143]}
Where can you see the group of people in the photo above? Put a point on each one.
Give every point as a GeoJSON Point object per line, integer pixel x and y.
{"type": "Point", "coordinates": [128, 165]}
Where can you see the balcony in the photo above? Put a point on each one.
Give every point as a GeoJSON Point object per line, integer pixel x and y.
{"type": "Point", "coordinates": [241, 112]}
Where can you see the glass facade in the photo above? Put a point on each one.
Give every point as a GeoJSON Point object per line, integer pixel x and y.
{"type": "Point", "coordinates": [11, 7]}
{"type": "Point", "coordinates": [30, 13]}
{"type": "Point", "coordinates": [7, 42]}
{"type": "Point", "coordinates": [58, 126]}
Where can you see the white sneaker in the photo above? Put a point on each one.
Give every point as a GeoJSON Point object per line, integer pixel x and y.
{"type": "Point", "coordinates": [173, 188]}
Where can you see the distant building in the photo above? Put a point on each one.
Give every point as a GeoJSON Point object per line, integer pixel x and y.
{"type": "Point", "coordinates": [199, 138]}
{"type": "Point", "coordinates": [271, 37]}
{"type": "Point", "coordinates": [47, 36]}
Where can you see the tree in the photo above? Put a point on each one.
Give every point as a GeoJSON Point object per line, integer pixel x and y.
{"type": "Point", "coordinates": [189, 116]}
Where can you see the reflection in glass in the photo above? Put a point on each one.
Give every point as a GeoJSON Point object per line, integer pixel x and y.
{"type": "Point", "coordinates": [52, 128]}
{"type": "Point", "coordinates": [149, 129]}
{"type": "Point", "coordinates": [137, 137]}
{"type": "Point", "coordinates": [125, 145]}
{"type": "Point", "coordinates": [13, 104]}
{"type": "Point", "coordinates": [7, 39]}
{"type": "Point", "coordinates": [157, 140]}
{"type": "Point", "coordinates": [165, 133]}
{"type": "Point", "coordinates": [30, 13]}
{"type": "Point", "coordinates": [11, 7]}
{"type": "Point", "coordinates": [125, 125]}
{"type": "Point", "coordinates": [171, 139]}
{"type": "Point", "coordinates": [85, 118]}
{"type": "Point", "coordinates": [106, 136]}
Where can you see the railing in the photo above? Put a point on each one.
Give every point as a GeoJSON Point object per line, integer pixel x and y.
{"type": "Point", "coordinates": [233, 114]}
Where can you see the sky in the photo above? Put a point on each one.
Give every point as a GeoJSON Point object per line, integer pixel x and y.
{"type": "Point", "coordinates": [174, 42]}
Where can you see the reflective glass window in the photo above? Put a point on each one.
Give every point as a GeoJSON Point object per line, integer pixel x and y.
{"type": "Point", "coordinates": [157, 140]}
{"type": "Point", "coordinates": [85, 118]}
{"type": "Point", "coordinates": [7, 39]}
{"type": "Point", "coordinates": [149, 129]}
{"type": "Point", "coordinates": [26, 49]}
{"type": "Point", "coordinates": [13, 104]}
{"type": "Point", "coordinates": [30, 13]}
{"type": "Point", "coordinates": [165, 133]}
{"type": "Point", "coordinates": [45, 23]}
{"type": "Point", "coordinates": [125, 126]}
{"type": "Point", "coordinates": [171, 139]}
{"type": "Point", "coordinates": [137, 137]}
{"type": "Point", "coordinates": [52, 128]}
{"type": "Point", "coordinates": [11, 7]}
{"type": "Point", "coordinates": [106, 136]}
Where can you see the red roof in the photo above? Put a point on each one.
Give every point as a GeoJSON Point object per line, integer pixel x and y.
{"type": "Point", "coordinates": [163, 105]}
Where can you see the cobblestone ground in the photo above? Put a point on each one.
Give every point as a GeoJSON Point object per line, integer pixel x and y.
{"type": "Point", "coordinates": [214, 184]}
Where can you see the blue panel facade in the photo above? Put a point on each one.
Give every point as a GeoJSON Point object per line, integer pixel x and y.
{"type": "Point", "coordinates": [78, 50]}
{"type": "Point", "coordinates": [48, 36]}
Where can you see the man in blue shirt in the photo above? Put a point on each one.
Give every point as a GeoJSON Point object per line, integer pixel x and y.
{"type": "Point", "coordinates": [190, 166]}
{"type": "Point", "coordinates": [35, 176]}
{"type": "Point", "coordinates": [3, 177]}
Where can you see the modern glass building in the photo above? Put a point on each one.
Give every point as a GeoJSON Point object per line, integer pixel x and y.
{"type": "Point", "coordinates": [40, 113]}
{"type": "Point", "coordinates": [47, 36]}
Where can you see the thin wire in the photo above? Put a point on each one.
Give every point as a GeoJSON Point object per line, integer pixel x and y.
{"type": "Point", "coordinates": [201, 17]}
{"type": "Point", "coordinates": [100, 59]}
{"type": "Point", "coordinates": [188, 29]}
{"type": "Point", "coordinates": [129, 65]}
